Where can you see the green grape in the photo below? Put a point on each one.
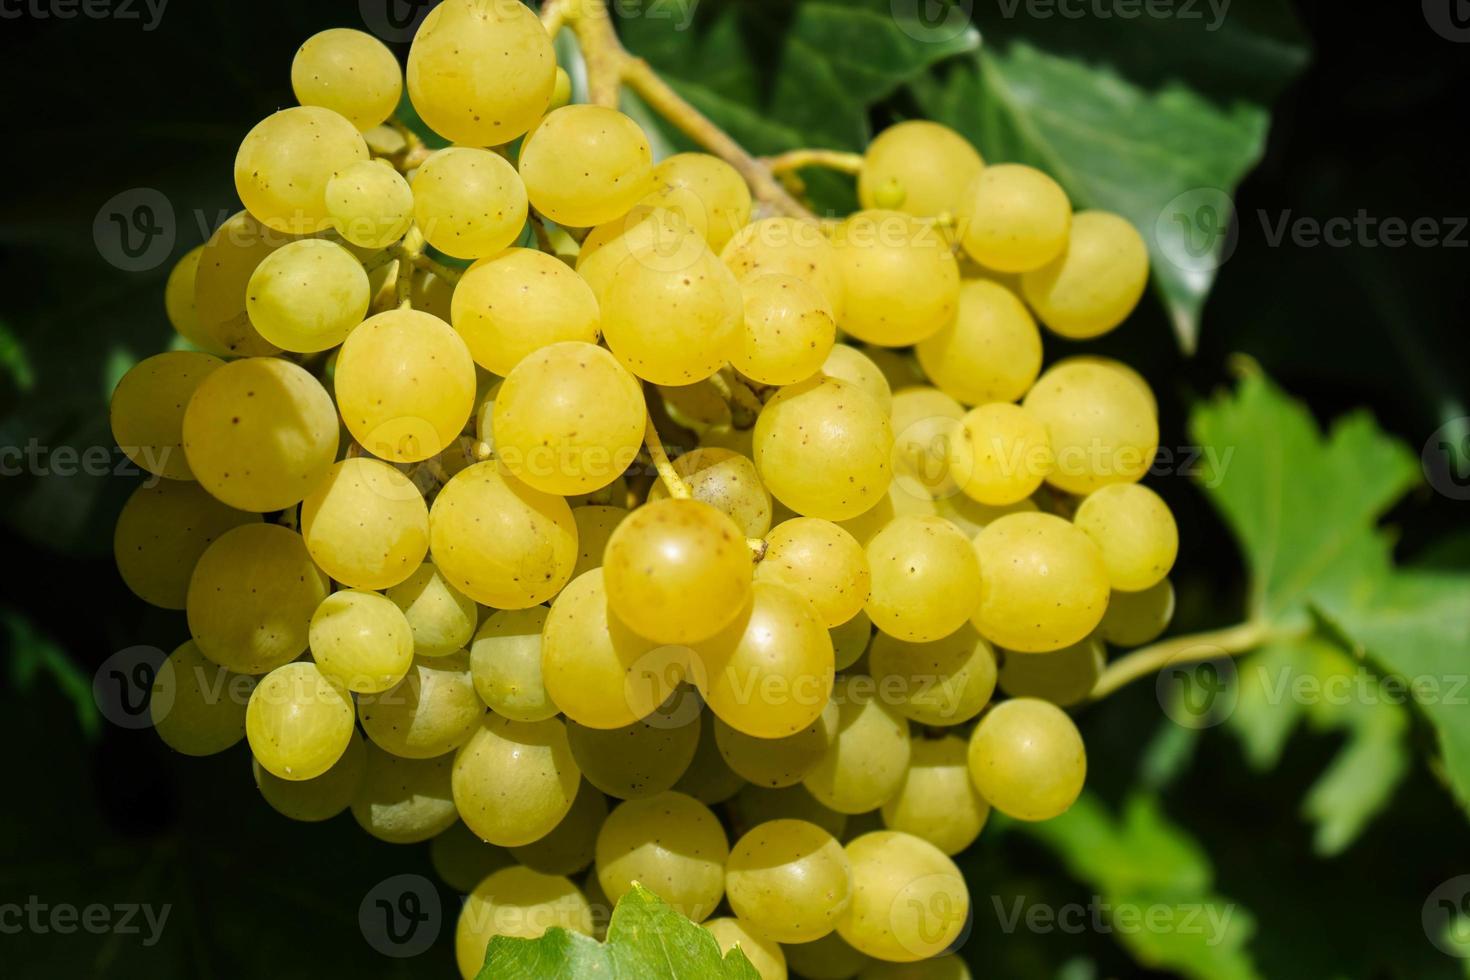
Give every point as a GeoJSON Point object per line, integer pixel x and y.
{"type": "Point", "coordinates": [727, 481]}
{"type": "Point", "coordinates": [661, 237]}
{"type": "Point", "coordinates": [462, 860]}
{"type": "Point", "coordinates": [179, 305]}
{"type": "Point", "coordinates": [481, 73]}
{"type": "Point", "coordinates": [361, 640]}
{"type": "Point", "coordinates": [777, 762]}
{"type": "Point", "coordinates": [972, 517]}
{"type": "Point", "coordinates": [366, 524]}
{"type": "Point", "coordinates": [1119, 367]}
{"type": "Point", "coordinates": [499, 541]}
{"type": "Point", "coordinates": [307, 296]}
{"type": "Point", "coordinates": [926, 579]}
{"type": "Point", "coordinates": [162, 531]}
{"type": "Point", "coordinates": [1136, 618]}
{"type": "Point", "coordinates": [671, 844]}
{"type": "Point", "coordinates": [758, 804]}
{"type": "Point", "coordinates": [929, 164]}
{"type": "Point", "coordinates": [947, 967]}
{"type": "Point", "coordinates": [251, 598]}
{"type": "Point", "coordinates": [709, 778]}
{"type": "Point", "coordinates": [639, 760]}
{"type": "Point", "coordinates": [899, 277]}
{"type": "Point", "coordinates": [371, 205]}
{"type": "Point", "coordinates": [787, 332]}
{"type": "Point", "coordinates": [829, 958]}
{"type": "Point", "coordinates": [1064, 677]}
{"type": "Point", "coordinates": [909, 900]}
{"type": "Point", "coordinates": [517, 902]}
{"type": "Point", "coordinates": [1095, 283]}
{"type": "Point", "coordinates": [821, 562]}
{"type": "Point", "coordinates": [148, 405]}
{"type": "Point", "coordinates": [432, 710]}
{"type": "Point", "coordinates": [1027, 759]}
{"type": "Point", "coordinates": [1043, 584]}
{"type": "Point", "coordinates": [672, 318]}
{"type": "Point", "coordinates": [260, 434]}
{"type": "Point", "coordinates": [847, 363]}
{"type": "Point", "coordinates": [788, 246]}
{"type": "Point", "coordinates": [1014, 218]}
{"type": "Point", "coordinates": [442, 617]}
{"type": "Point", "coordinates": [763, 953]}
{"type": "Point", "coordinates": [284, 163]}
{"type": "Point", "coordinates": [468, 202]}
{"type": "Point", "coordinates": [1001, 454]}
{"type": "Point", "coordinates": [894, 504]}
{"type": "Point", "coordinates": [677, 571]}
{"type": "Point", "coordinates": [350, 72]}
{"type": "Point", "coordinates": [850, 640]}
{"type": "Point", "coordinates": [506, 306]}
{"type": "Point", "coordinates": [404, 801]}
{"type": "Point", "coordinates": [322, 798]}
{"type": "Point", "coordinates": [595, 525]}
{"type": "Point", "coordinates": [823, 448]}
{"type": "Point", "coordinates": [769, 672]}
{"type": "Point", "coordinates": [404, 385]}
{"type": "Point", "coordinates": [505, 662]}
{"type": "Point", "coordinates": [899, 367]}
{"type": "Point", "coordinates": [937, 802]}
{"type": "Point", "coordinates": [727, 436]}
{"type": "Point", "coordinates": [699, 406]}
{"type": "Point", "coordinates": [789, 879]}
{"type": "Point", "coordinates": [561, 92]}
{"type": "Point", "coordinates": [710, 194]}
{"type": "Point", "coordinates": [585, 164]}
{"type": "Point", "coordinates": [1103, 428]}
{"type": "Point", "coordinates": [196, 706]}
{"type": "Point", "coordinates": [568, 419]}
{"type": "Point", "coordinates": [865, 764]}
{"type": "Point", "coordinates": [939, 683]}
{"type": "Point", "coordinates": [514, 781]}
{"type": "Point", "coordinates": [221, 278]}
{"type": "Point", "coordinates": [571, 845]}
{"type": "Point", "coordinates": [1135, 531]}
{"type": "Point", "coordinates": [925, 424]}
{"type": "Point", "coordinates": [990, 351]}
{"type": "Point", "coordinates": [298, 721]}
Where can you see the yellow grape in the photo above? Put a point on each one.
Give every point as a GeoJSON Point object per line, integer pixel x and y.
{"type": "Point", "coordinates": [221, 279]}
{"type": "Point", "coordinates": [370, 204]}
{"type": "Point", "coordinates": [865, 764]}
{"type": "Point", "coordinates": [569, 419]}
{"type": "Point", "coordinates": [481, 73]}
{"type": "Point", "coordinates": [251, 598]}
{"type": "Point", "coordinates": [1014, 218]}
{"type": "Point", "coordinates": [710, 194]}
{"type": "Point", "coordinates": [1136, 618]}
{"type": "Point", "coordinates": [1064, 677]}
{"type": "Point", "coordinates": [506, 306]}
{"type": "Point", "coordinates": [442, 617]}
{"type": "Point", "coordinates": [1135, 531]}
{"type": "Point", "coordinates": [285, 162]}
{"type": "Point", "coordinates": [637, 760]}
{"type": "Point", "coordinates": [350, 72]}
{"type": "Point", "coordinates": [823, 447]}
{"type": "Point", "coordinates": [727, 481]}
{"type": "Point", "coordinates": [789, 879]}
{"type": "Point", "coordinates": [821, 562]}
{"type": "Point", "coordinates": [1103, 428]}
{"type": "Point", "coordinates": [899, 278]}
{"type": "Point", "coordinates": [571, 845]}
{"type": "Point", "coordinates": [196, 706]}
{"type": "Point", "coordinates": [432, 710]}
{"type": "Point", "coordinates": [989, 352]}
{"type": "Point", "coordinates": [1095, 283]}
{"type": "Point", "coordinates": [1125, 370]}
{"type": "Point", "coordinates": [909, 900]}
{"type": "Point", "coordinates": [405, 385]}
{"type": "Point", "coordinates": [926, 579]}
{"type": "Point", "coordinates": [937, 801]}
{"type": "Point", "coordinates": [788, 246]}
{"type": "Point", "coordinates": [260, 434]}
{"type": "Point", "coordinates": [850, 640]}
{"type": "Point", "coordinates": [898, 366]}
{"type": "Point", "coordinates": [942, 682]}
{"type": "Point", "coordinates": [361, 640]}
{"type": "Point", "coordinates": [660, 236]}
{"type": "Point", "coordinates": [179, 304]}
{"type": "Point", "coordinates": [595, 525]}
{"type": "Point", "coordinates": [1001, 454]}
{"type": "Point", "coordinates": [299, 721]}
{"type": "Point", "coordinates": [758, 804]}
{"type": "Point", "coordinates": [829, 958]}
{"type": "Point", "coordinates": [469, 202]}
{"type": "Point", "coordinates": [925, 423]}
{"type": "Point", "coordinates": [366, 524]}
{"type": "Point", "coordinates": [769, 672]}
{"type": "Point", "coordinates": [147, 410]}
{"type": "Point", "coordinates": [462, 860]}
{"type": "Point", "coordinates": [672, 845]}
{"type": "Point", "coordinates": [404, 801]}
{"type": "Point", "coordinates": [927, 166]}
{"type": "Point", "coordinates": [972, 517]}
{"type": "Point", "coordinates": [514, 781]}
{"type": "Point", "coordinates": [307, 296]}
{"type": "Point", "coordinates": [585, 164]}
{"type": "Point", "coordinates": [777, 762]}
{"type": "Point", "coordinates": [764, 954]}
{"type": "Point", "coordinates": [677, 571]}
{"type": "Point", "coordinates": [160, 534]}
{"type": "Point", "coordinates": [1027, 759]}
{"type": "Point", "coordinates": [505, 663]}
{"type": "Point", "coordinates": [1043, 584]}
{"type": "Point", "coordinates": [847, 363]}
{"type": "Point", "coordinates": [322, 798]}
{"type": "Point", "coordinates": [897, 502]}
{"type": "Point", "coordinates": [709, 778]}
{"type": "Point", "coordinates": [787, 333]}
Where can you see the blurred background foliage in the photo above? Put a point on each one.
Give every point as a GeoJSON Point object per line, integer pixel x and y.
{"type": "Point", "coordinates": [1315, 109]}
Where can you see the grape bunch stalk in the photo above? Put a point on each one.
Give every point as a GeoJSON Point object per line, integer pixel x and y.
{"type": "Point", "coordinates": [440, 569]}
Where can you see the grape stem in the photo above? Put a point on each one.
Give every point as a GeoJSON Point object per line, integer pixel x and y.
{"type": "Point", "coordinates": [744, 405]}
{"type": "Point", "coordinates": [839, 160]}
{"type": "Point", "coordinates": [672, 481]}
{"type": "Point", "coordinates": [1190, 649]}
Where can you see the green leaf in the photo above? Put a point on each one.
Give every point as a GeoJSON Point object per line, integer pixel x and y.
{"type": "Point", "coordinates": [14, 361]}
{"type": "Point", "coordinates": [33, 654]}
{"type": "Point", "coordinates": [646, 940]}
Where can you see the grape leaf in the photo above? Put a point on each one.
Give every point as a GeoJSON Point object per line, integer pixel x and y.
{"type": "Point", "coordinates": [646, 940]}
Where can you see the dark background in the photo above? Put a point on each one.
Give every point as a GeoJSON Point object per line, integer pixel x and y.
{"type": "Point", "coordinates": [97, 814]}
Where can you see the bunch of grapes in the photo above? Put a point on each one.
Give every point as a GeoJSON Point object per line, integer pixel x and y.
{"type": "Point", "coordinates": [440, 571]}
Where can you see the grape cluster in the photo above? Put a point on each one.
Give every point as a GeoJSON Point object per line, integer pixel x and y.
{"type": "Point", "coordinates": [439, 571]}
